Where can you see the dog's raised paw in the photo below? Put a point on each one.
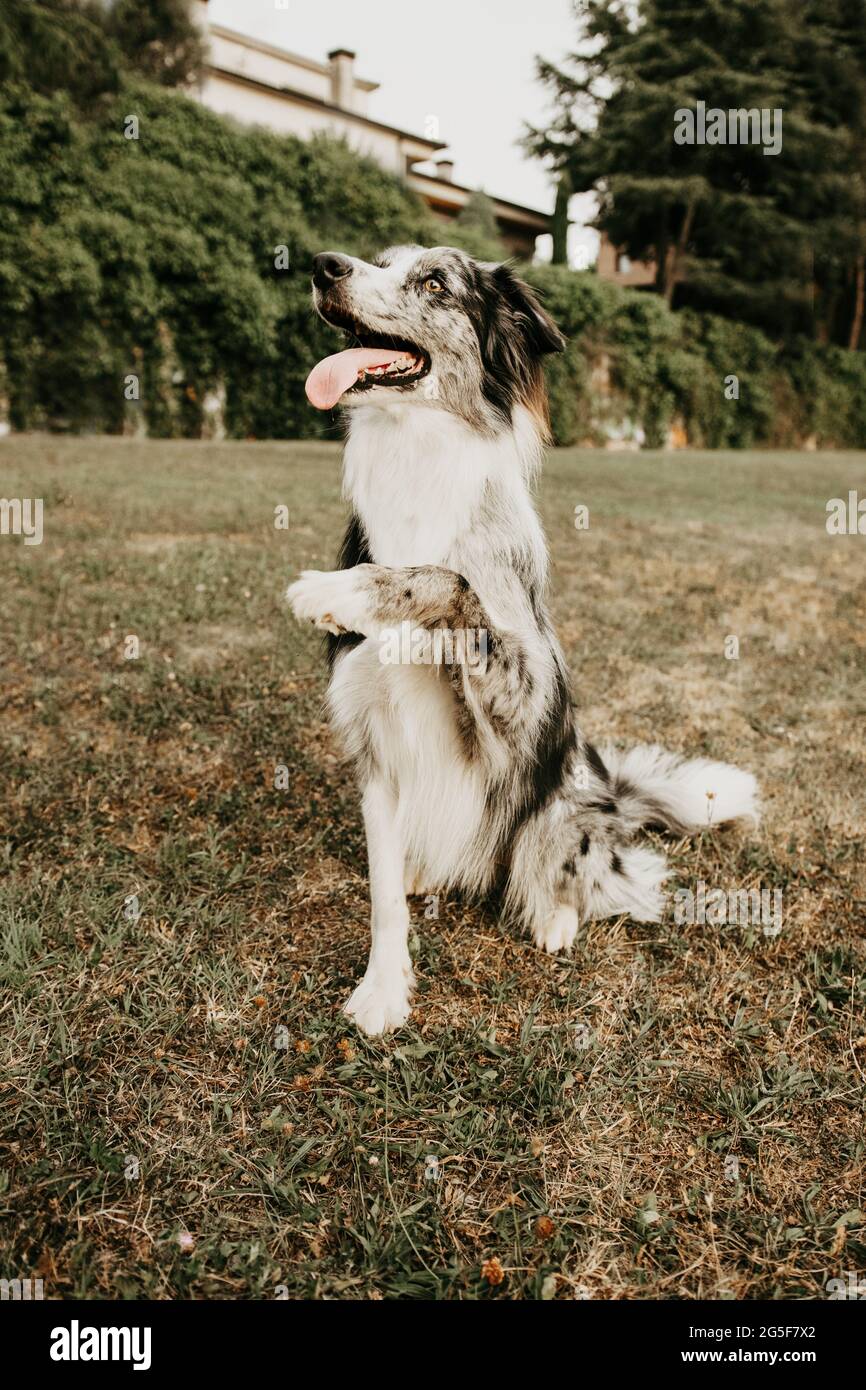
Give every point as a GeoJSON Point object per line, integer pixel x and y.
{"type": "Point", "coordinates": [379, 1005]}
{"type": "Point", "coordinates": [330, 599]}
{"type": "Point", "coordinates": [557, 933]}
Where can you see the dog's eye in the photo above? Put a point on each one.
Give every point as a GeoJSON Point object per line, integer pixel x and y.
{"type": "Point", "coordinates": [434, 285]}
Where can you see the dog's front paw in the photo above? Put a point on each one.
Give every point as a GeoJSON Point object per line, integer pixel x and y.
{"type": "Point", "coordinates": [335, 600]}
{"type": "Point", "coordinates": [558, 932]}
{"type": "Point", "coordinates": [380, 1003]}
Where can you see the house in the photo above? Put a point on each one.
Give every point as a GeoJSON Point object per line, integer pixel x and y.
{"type": "Point", "coordinates": [615, 265]}
{"type": "Point", "coordinates": [260, 84]}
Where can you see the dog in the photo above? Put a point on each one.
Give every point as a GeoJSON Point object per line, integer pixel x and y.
{"type": "Point", "coordinates": [474, 773]}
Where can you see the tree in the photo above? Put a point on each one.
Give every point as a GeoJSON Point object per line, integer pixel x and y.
{"type": "Point", "coordinates": [58, 45]}
{"type": "Point", "coordinates": [83, 46]}
{"type": "Point", "coordinates": [837, 71]}
{"type": "Point", "coordinates": [559, 221]}
{"type": "Point", "coordinates": [728, 227]}
{"type": "Point", "coordinates": [159, 39]}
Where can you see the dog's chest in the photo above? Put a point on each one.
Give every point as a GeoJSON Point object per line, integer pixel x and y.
{"type": "Point", "coordinates": [414, 489]}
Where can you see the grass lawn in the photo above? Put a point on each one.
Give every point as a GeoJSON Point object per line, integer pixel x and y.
{"type": "Point", "coordinates": [184, 1112]}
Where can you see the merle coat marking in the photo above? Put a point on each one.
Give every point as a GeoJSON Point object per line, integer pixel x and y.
{"type": "Point", "coordinates": [472, 776]}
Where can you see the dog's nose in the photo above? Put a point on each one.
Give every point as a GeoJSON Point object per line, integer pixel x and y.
{"type": "Point", "coordinates": [328, 267]}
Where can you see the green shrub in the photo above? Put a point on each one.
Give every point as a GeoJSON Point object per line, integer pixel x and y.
{"type": "Point", "coordinates": [631, 360]}
{"type": "Point", "coordinates": [157, 258]}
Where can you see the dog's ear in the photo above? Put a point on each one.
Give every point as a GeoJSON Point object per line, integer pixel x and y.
{"type": "Point", "coordinates": [541, 332]}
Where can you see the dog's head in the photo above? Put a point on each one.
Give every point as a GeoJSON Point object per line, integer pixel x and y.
{"type": "Point", "coordinates": [432, 329]}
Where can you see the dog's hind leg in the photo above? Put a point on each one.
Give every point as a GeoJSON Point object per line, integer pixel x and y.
{"type": "Point", "coordinates": [574, 863]}
{"type": "Point", "coordinates": [557, 931]}
{"type": "Point", "coordinates": [543, 886]}
{"type": "Point", "coordinates": [381, 1001]}
{"type": "Point", "coordinates": [627, 880]}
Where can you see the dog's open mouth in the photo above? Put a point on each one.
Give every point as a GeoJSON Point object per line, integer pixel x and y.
{"type": "Point", "coordinates": [378, 361]}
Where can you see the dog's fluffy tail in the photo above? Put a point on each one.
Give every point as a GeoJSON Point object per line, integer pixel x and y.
{"type": "Point", "coordinates": [682, 795]}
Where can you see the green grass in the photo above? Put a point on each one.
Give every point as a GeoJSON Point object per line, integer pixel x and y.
{"type": "Point", "coordinates": [580, 1110]}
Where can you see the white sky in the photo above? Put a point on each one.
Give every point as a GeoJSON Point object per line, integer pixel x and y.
{"type": "Point", "coordinates": [470, 63]}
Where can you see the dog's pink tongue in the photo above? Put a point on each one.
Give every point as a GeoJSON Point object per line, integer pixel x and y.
{"type": "Point", "coordinates": [334, 375]}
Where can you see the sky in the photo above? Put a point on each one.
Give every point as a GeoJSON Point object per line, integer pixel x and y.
{"type": "Point", "coordinates": [469, 63]}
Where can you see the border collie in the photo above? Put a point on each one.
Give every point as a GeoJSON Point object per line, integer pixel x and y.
{"type": "Point", "coordinates": [474, 774]}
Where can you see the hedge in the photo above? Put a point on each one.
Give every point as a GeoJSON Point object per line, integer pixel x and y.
{"type": "Point", "coordinates": [151, 267]}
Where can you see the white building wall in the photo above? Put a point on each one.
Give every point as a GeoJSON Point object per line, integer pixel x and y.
{"type": "Point", "coordinates": [253, 106]}
{"type": "Point", "coordinates": [267, 67]}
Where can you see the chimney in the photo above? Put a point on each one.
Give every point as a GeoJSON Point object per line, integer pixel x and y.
{"type": "Point", "coordinates": [342, 62]}
{"type": "Point", "coordinates": [445, 170]}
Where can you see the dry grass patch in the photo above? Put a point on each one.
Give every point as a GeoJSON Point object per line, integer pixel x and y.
{"type": "Point", "coordinates": [674, 1112]}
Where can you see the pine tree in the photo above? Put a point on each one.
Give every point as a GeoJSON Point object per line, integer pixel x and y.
{"type": "Point", "coordinates": [754, 235]}
{"type": "Point", "coordinates": [837, 87]}
{"type": "Point", "coordinates": [560, 222]}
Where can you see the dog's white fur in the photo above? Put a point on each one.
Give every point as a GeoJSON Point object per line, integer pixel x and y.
{"type": "Point", "coordinates": [416, 485]}
{"type": "Point", "coordinates": [420, 478]}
